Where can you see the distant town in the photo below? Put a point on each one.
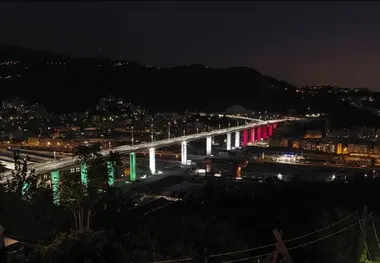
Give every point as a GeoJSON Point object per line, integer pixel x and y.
{"type": "Point", "coordinates": [113, 122]}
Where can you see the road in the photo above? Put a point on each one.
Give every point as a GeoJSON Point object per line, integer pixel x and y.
{"type": "Point", "coordinates": [70, 161]}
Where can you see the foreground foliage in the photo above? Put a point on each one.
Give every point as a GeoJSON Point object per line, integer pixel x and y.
{"type": "Point", "coordinates": [221, 217]}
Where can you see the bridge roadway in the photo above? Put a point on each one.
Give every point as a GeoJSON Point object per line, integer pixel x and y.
{"type": "Point", "coordinates": [70, 161]}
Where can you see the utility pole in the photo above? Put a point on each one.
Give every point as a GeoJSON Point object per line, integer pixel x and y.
{"type": "Point", "coordinates": [132, 135]}
{"type": "Point", "coordinates": [280, 248]}
{"type": "Point", "coordinates": [152, 129]}
{"type": "Point", "coordinates": [169, 131]}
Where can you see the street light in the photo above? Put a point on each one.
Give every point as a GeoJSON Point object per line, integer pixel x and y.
{"type": "Point", "coordinates": [169, 131]}
{"type": "Point", "coordinates": [132, 135]}
{"type": "Point", "coordinates": [184, 132]}
{"type": "Point", "coordinates": [197, 130]}
{"type": "Point", "coordinates": [151, 127]}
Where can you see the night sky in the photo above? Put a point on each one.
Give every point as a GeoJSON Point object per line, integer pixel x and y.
{"type": "Point", "coordinates": [302, 43]}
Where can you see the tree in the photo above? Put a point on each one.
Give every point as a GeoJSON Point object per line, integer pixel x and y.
{"type": "Point", "coordinates": [24, 181]}
{"type": "Point", "coordinates": [3, 169]}
{"type": "Point", "coordinates": [76, 246]}
{"type": "Point", "coordinates": [87, 153]}
{"type": "Point", "coordinates": [72, 195]}
{"type": "Point", "coordinates": [83, 200]}
{"type": "Point", "coordinates": [113, 159]}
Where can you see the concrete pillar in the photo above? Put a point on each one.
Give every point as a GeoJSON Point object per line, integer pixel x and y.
{"type": "Point", "coordinates": [25, 188]}
{"type": "Point", "coordinates": [270, 130]}
{"type": "Point", "coordinates": [152, 160]}
{"type": "Point", "coordinates": [111, 173]}
{"type": "Point", "coordinates": [237, 139]}
{"type": "Point", "coordinates": [245, 138]}
{"type": "Point", "coordinates": [55, 186]}
{"type": "Point", "coordinates": [132, 167]}
{"type": "Point", "coordinates": [184, 153]}
{"type": "Point", "coordinates": [84, 174]}
{"type": "Point", "coordinates": [252, 138]}
{"type": "Point", "coordinates": [208, 145]}
{"type": "Point", "coordinates": [228, 141]}
{"type": "Point", "coordinates": [264, 133]}
{"type": "Point", "coordinates": [258, 133]}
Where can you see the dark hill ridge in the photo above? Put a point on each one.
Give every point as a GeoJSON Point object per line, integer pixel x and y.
{"type": "Point", "coordinates": [79, 82]}
{"type": "Point", "coordinates": [9, 52]}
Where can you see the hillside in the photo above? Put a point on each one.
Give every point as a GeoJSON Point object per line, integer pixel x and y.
{"type": "Point", "coordinates": [79, 81]}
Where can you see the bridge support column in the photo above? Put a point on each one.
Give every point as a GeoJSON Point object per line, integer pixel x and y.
{"type": "Point", "coordinates": [258, 133]}
{"type": "Point", "coordinates": [132, 167]}
{"type": "Point", "coordinates": [237, 139]}
{"type": "Point", "coordinates": [25, 188]}
{"type": "Point", "coordinates": [55, 186]}
{"type": "Point", "coordinates": [208, 145]}
{"type": "Point", "coordinates": [229, 141]}
{"type": "Point", "coordinates": [252, 139]}
{"type": "Point", "coordinates": [270, 130]}
{"type": "Point", "coordinates": [111, 173]}
{"type": "Point", "coordinates": [184, 153]}
{"type": "Point", "coordinates": [152, 160]}
{"type": "Point", "coordinates": [264, 134]}
{"type": "Point", "coordinates": [245, 138]}
{"type": "Point", "coordinates": [84, 174]}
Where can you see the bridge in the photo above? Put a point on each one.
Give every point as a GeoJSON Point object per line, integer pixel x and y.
{"type": "Point", "coordinates": [254, 131]}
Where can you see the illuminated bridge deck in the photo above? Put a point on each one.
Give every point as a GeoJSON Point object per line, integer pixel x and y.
{"type": "Point", "coordinates": [70, 161]}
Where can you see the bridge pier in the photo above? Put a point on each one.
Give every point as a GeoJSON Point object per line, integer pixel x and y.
{"type": "Point", "coordinates": [258, 133]}
{"type": "Point", "coordinates": [132, 167]}
{"type": "Point", "coordinates": [111, 173]}
{"type": "Point", "coordinates": [270, 130]}
{"type": "Point", "coordinates": [184, 153]}
{"type": "Point", "coordinates": [84, 174]}
{"type": "Point", "coordinates": [229, 141]}
{"type": "Point", "coordinates": [208, 145]}
{"type": "Point", "coordinates": [237, 139]}
{"type": "Point", "coordinates": [252, 139]}
{"type": "Point", "coordinates": [55, 186]}
{"type": "Point", "coordinates": [264, 134]}
{"type": "Point", "coordinates": [245, 138]}
{"type": "Point", "coordinates": [152, 160]}
{"type": "Point", "coordinates": [25, 187]}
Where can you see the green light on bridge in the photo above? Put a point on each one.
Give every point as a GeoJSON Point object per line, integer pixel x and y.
{"type": "Point", "coordinates": [55, 186]}
{"type": "Point", "coordinates": [111, 173]}
{"type": "Point", "coordinates": [132, 167]}
{"type": "Point", "coordinates": [25, 187]}
{"type": "Point", "coordinates": [84, 174]}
